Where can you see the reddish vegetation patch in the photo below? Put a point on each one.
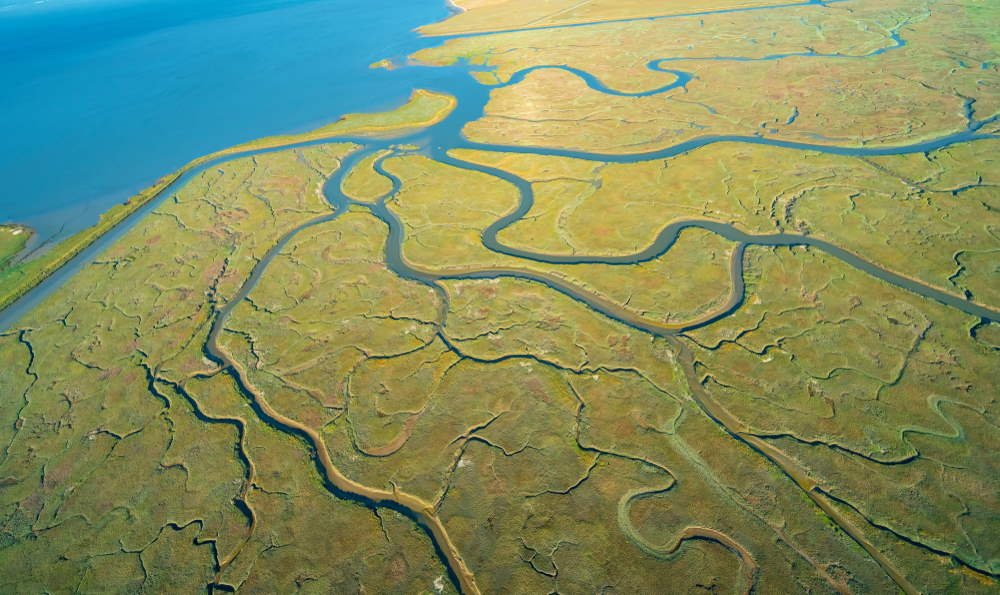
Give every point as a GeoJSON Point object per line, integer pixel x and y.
{"type": "Point", "coordinates": [234, 215]}
{"type": "Point", "coordinates": [551, 322]}
{"type": "Point", "coordinates": [536, 388]}
{"type": "Point", "coordinates": [213, 271]}
{"type": "Point", "coordinates": [397, 570]}
{"type": "Point", "coordinates": [58, 474]}
{"type": "Point", "coordinates": [286, 182]}
{"type": "Point", "coordinates": [312, 418]}
{"type": "Point", "coordinates": [619, 344]}
{"type": "Point", "coordinates": [494, 488]}
{"type": "Point", "coordinates": [115, 371]}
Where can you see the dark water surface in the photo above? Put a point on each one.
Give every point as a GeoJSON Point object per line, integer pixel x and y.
{"type": "Point", "coordinates": [99, 98]}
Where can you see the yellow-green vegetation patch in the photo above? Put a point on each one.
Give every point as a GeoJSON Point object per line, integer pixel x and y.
{"type": "Point", "coordinates": [580, 118]}
{"type": "Point", "coordinates": [981, 14]}
{"type": "Point", "coordinates": [13, 238]}
{"type": "Point", "coordinates": [422, 109]}
{"type": "Point", "coordinates": [950, 169]}
{"type": "Point", "coordinates": [159, 481]}
{"type": "Point", "coordinates": [988, 334]}
{"type": "Point", "coordinates": [444, 210]}
{"type": "Point", "coordinates": [938, 572]}
{"type": "Point", "coordinates": [365, 184]}
{"type": "Point", "coordinates": [690, 280]}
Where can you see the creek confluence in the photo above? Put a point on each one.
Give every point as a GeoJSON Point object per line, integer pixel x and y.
{"type": "Point", "coordinates": [441, 138]}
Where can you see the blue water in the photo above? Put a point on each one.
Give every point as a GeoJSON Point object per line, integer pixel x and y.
{"type": "Point", "coordinates": [102, 97]}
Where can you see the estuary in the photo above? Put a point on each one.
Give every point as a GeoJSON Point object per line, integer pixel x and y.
{"type": "Point", "coordinates": [619, 299]}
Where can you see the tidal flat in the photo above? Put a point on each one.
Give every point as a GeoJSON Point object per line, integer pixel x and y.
{"type": "Point", "coordinates": [651, 302]}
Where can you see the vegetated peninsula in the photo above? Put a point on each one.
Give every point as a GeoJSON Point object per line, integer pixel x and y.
{"type": "Point", "coordinates": [657, 297]}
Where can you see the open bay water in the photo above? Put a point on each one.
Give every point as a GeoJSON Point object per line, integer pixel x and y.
{"type": "Point", "coordinates": [99, 98]}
